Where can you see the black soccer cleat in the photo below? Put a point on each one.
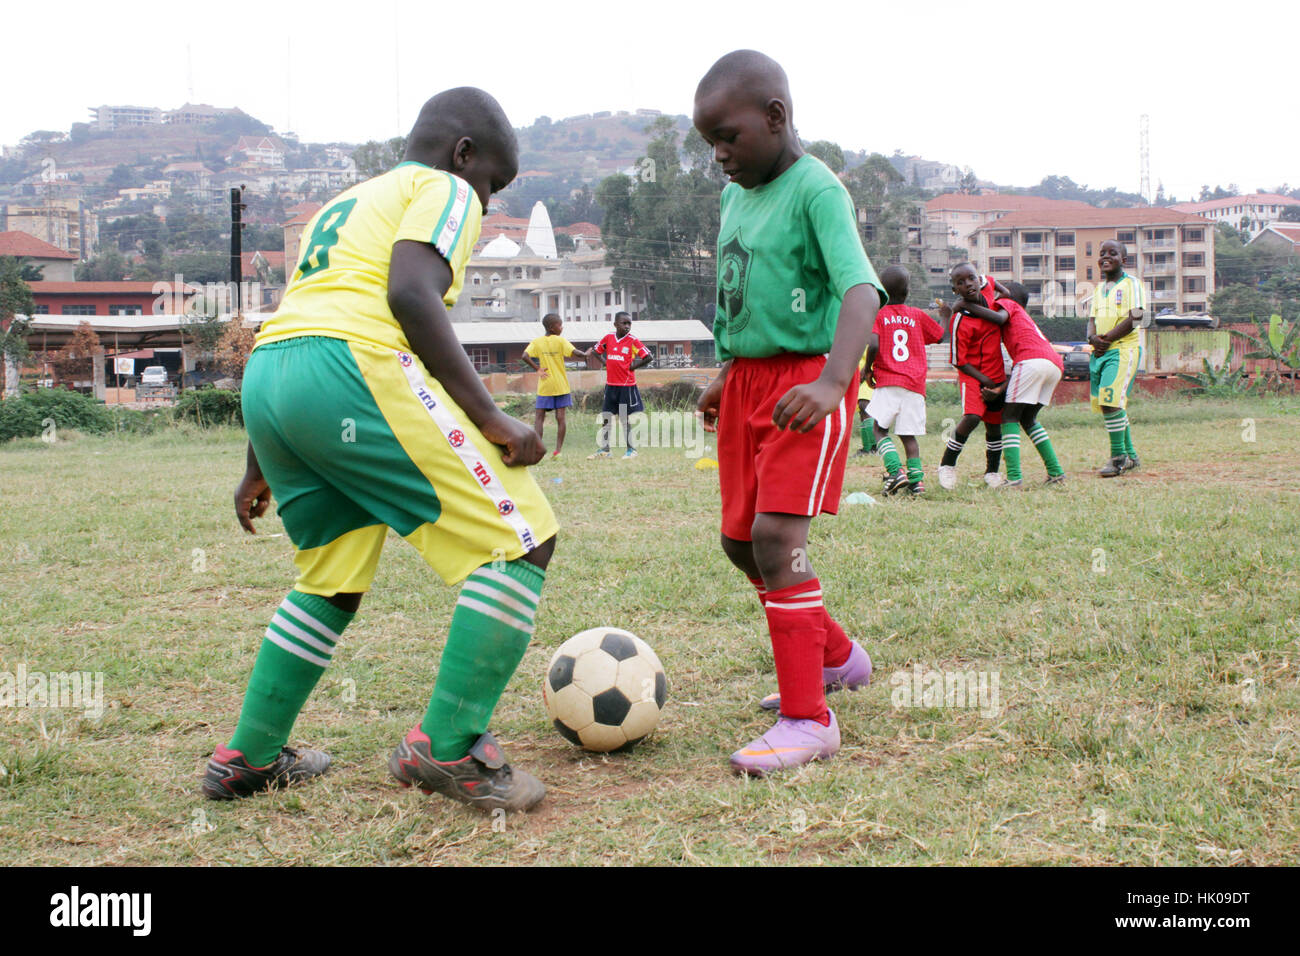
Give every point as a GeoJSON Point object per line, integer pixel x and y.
{"type": "Point", "coordinates": [895, 482]}
{"type": "Point", "coordinates": [1116, 466]}
{"type": "Point", "coordinates": [1133, 463]}
{"type": "Point", "coordinates": [481, 778]}
{"type": "Point", "coordinates": [229, 775]}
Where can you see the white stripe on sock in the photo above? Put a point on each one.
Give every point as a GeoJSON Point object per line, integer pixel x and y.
{"type": "Point", "coordinates": [479, 587]}
{"type": "Point", "coordinates": [496, 613]}
{"type": "Point", "coordinates": [506, 581]}
{"type": "Point", "coordinates": [309, 620]}
{"type": "Point", "coordinates": [311, 640]}
{"type": "Point", "coordinates": [279, 640]}
{"type": "Point", "coordinates": [793, 606]}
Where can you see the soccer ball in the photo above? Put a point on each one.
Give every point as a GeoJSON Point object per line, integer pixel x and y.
{"type": "Point", "coordinates": [604, 689]}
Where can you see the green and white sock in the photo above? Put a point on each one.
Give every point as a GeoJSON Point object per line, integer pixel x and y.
{"type": "Point", "coordinates": [914, 472]}
{"type": "Point", "coordinates": [296, 649]}
{"type": "Point", "coordinates": [1116, 425]}
{"type": "Point", "coordinates": [1038, 435]}
{"type": "Point", "coordinates": [1011, 449]}
{"type": "Point", "coordinates": [490, 630]}
{"type": "Point", "coordinates": [887, 451]}
{"type": "Point", "coordinates": [867, 431]}
{"type": "Point", "coordinates": [1128, 442]}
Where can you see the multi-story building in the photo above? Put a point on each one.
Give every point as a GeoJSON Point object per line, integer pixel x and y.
{"type": "Point", "coordinates": [960, 214]}
{"type": "Point", "coordinates": [1251, 214]}
{"type": "Point", "coordinates": [265, 151]}
{"type": "Point", "coordinates": [1054, 255]}
{"type": "Point", "coordinates": [66, 223]}
{"type": "Point", "coordinates": [1281, 243]}
{"type": "Point", "coordinates": [109, 118]}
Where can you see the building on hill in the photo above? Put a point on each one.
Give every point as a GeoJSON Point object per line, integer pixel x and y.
{"type": "Point", "coordinates": [1053, 253]}
{"type": "Point", "coordinates": [108, 118]}
{"type": "Point", "coordinates": [1281, 242]}
{"type": "Point", "coordinates": [299, 216]}
{"type": "Point", "coordinates": [1252, 214]}
{"type": "Point", "coordinates": [927, 173]}
{"type": "Point", "coordinates": [67, 224]}
{"type": "Point", "coordinates": [960, 214]}
{"type": "Point", "coordinates": [56, 264]}
{"type": "Point", "coordinates": [262, 151]}
{"type": "Point", "coordinates": [196, 114]}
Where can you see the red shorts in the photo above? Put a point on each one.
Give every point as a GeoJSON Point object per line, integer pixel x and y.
{"type": "Point", "coordinates": [972, 402]}
{"type": "Point", "coordinates": [764, 469]}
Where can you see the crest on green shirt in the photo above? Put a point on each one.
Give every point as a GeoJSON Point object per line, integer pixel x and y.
{"type": "Point", "coordinates": [733, 273]}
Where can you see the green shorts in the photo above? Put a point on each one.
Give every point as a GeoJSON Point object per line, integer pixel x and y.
{"type": "Point", "coordinates": [355, 439]}
{"type": "Point", "coordinates": [1112, 375]}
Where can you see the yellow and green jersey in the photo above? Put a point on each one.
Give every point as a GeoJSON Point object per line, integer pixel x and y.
{"type": "Point", "coordinates": [550, 352]}
{"type": "Point", "coordinates": [1113, 301]}
{"type": "Point", "coordinates": [339, 287]}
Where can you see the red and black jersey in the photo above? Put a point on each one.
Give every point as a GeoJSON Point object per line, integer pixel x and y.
{"type": "Point", "coordinates": [903, 333]}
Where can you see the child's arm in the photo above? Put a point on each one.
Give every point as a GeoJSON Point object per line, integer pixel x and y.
{"type": "Point", "coordinates": [804, 406]}
{"type": "Point", "coordinates": [418, 277]}
{"type": "Point", "coordinates": [712, 398]}
{"type": "Point", "coordinates": [973, 372]}
{"type": "Point", "coordinates": [643, 360]}
{"type": "Point", "coordinates": [869, 369]}
{"type": "Point", "coordinates": [996, 316]}
{"type": "Point", "coordinates": [253, 496]}
{"type": "Point", "coordinates": [529, 361]}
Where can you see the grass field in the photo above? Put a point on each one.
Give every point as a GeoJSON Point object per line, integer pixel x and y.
{"type": "Point", "coordinates": [1143, 632]}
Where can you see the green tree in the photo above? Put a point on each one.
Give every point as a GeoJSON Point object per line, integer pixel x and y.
{"type": "Point", "coordinates": [829, 153]}
{"type": "Point", "coordinates": [660, 225]}
{"type": "Point", "coordinates": [373, 157]}
{"type": "Point", "coordinates": [15, 300]}
{"type": "Point", "coordinates": [1291, 213]}
{"type": "Point", "coordinates": [109, 266]}
{"type": "Point", "coordinates": [1239, 303]}
{"type": "Point", "coordinates": [1234, 261]}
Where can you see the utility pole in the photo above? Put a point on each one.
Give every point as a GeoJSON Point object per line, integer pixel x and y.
{"type": "Point", "coordinates": [1144, 159]}
{"type": "Point", "coordinates": [236, 227]}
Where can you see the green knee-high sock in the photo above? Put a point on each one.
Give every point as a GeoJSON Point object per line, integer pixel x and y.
{"type": "Point", "coordinates": [296, 648]}
{"type": "Point", "coordinates": [1038, 435]}
{"type": "Point", "coordinates": [1116, 425]}
{"type": "Point", "coordinates": [1128, 441]}
{"type": "Point", "coordinates": [914, 472]}
{"type": "Point", "coordinates": [867, 430]}
{"type": "Point", "coordinates": [887, 451]}
{"type": "Point", "coordinates": [490, 630]}
{"type": "Point", "coordinates": [1011, 450]}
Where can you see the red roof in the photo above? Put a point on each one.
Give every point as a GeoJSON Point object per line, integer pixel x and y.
{"type": "Point", "coordinates": [580, 229]}
{"type": "Point", "coordinates": [302, 213]}
{"type": "Point", "coordinates": [93, 288]}
{"type": "Point", "coordinates": [994, 202]}
{"type": "Point", "coordinates": [1265, 199]}
{"type": "Point", "coordinates": [1286, 232]}
{"type": "Point", "coordinates": [1090, 216]}
{"type": "Point", "coordinates": [18, 243]}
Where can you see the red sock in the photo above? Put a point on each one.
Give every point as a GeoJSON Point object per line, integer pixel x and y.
{"type": "Point", "coordinates": [838, 644]}
{"type": "Point", "coordinates": [761, 588]}
{"type": "Point", "coordinates": [796, 620]}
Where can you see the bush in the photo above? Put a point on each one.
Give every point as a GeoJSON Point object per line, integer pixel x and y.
{"type": "Point", "coordinates": [942, 393]}
{"type": "Point", "coordinates": [209, 407]}
{"type": "Point", "coordinates": [24, 416]}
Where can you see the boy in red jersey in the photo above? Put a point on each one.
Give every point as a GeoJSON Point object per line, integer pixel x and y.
{"type": "Point", "coordinates": [796, 299]}
{"type": "Point", "coordinates": [896, 365]}
{"type": "Point", "coordinates": [1034, 375]}
{"type": "Point", "coordinates": [621, 353]}
{"type": "Point", "coordinates": [976, 353]}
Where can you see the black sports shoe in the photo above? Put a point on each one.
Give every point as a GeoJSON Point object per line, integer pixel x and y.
{"type": "Point", "coordinates": [895, 482]}
{"type": "Point", "coordinates": [1133, 463]}
{"type": "Point", "coordinates": [229, 775]}
{"type": "Point", "coordinates": [481, 778]}
{"type": "Point", "coordinates": [1116, 466]}
{"type": "Point", "coordinates": [917, 489]}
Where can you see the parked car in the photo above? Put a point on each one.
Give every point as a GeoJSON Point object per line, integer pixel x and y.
{"type": "Point", "coordinates": [1075, 356]}
{"type": "Point", "coordinates": [154, 375]}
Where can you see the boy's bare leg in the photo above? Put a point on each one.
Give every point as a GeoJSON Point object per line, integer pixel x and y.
{"type": "Point", "coordinates": [560, 424]}
{"type": "Point", "coordinates": [539, 421]}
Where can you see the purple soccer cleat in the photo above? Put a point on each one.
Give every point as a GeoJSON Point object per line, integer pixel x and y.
{"type": "Point", "coordinates": [791, 743]}
{"type": "Point", "coordinates": [852, 674]}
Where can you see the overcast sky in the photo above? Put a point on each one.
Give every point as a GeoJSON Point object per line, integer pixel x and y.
{"type": "Point", "coordinates": [1015, 91]}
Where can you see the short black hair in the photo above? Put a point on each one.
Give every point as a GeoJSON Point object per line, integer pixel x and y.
{"type": "Point", "coordinates": [550, 317]}
{"type": "Point", "coordinates": [617, 315]}
{"type": "Point", "coordinates": [1123, 249]}
{"type": "Point", "coordinates": [752, 74]}
{"type": "Point", "coordinates": [1019, 293]}
{"type": "Point", "coordinates": [452, 114]}
{"type": "Point", "coordinates": [963, 265]}
{"type": "Point", "coordinates": [895, 279]}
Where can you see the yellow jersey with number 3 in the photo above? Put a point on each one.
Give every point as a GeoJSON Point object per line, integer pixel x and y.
{"type": "Point", "coordinates": [1111, 304]}
{"type": "Point", "coordinates": [339, 285]}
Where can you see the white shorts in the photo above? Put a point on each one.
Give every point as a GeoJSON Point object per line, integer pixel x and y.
{"type": "Point", "coordinates": [898, 408]}
{"type": "Point", "coordinates": [1032, 382]}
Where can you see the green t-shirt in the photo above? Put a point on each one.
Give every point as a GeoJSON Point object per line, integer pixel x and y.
{"type": "Point", "coordinates": [788, 251]}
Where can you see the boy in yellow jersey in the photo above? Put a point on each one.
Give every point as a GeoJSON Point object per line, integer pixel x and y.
{"type": "Point", "coordinates": [363, 414]}
{"type": "Point", "coordinates": [546, 354]}
{"type": "Point", "coordinates": [1117, 309]}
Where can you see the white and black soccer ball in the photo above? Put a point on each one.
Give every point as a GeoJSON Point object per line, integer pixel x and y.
{"type": "Point", "coordinates": [604, 689]}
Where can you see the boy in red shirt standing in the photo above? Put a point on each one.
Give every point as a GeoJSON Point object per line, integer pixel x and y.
{"type": "Point", "coordinates": [976, 353]}
{"type": "Point", "coordinates": [796, 299]}
{"type": "Point", "coordinates": [896, 364]}
{"type": "Point", "coordinates": [621, 353]}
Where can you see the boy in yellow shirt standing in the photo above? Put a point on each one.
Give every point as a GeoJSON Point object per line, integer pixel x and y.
{"type": "Point", "coordinates": [546, 354]}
